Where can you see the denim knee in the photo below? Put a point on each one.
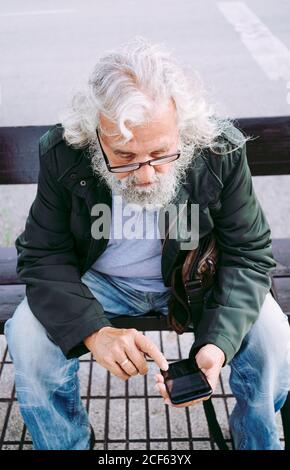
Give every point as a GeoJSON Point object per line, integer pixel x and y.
{"type": "Point", "coordinates": [24, 336]}
{"type": "Point", "coordinates": [33, 354]}
{"type": "Point", "coordinates": [261, 369]}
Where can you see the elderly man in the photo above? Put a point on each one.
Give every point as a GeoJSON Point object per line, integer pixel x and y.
{"type": "Point", "coordinates": [142, 133]}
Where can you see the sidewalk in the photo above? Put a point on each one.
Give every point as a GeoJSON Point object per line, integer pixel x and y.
{"type": "Point", "coordinates": [131, 415]}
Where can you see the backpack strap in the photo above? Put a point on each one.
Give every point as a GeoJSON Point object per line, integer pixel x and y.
{"type": "Point", "coordinates": [213, 425]}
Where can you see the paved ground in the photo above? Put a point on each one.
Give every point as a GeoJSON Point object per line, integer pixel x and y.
{"type": "Point", "coordinates": [240, 49]}
{"type": "Point", "coordinates": [121, 421]}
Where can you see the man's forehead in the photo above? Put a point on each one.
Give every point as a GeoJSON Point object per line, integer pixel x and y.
{"type": "Point", "coordinates": [152, 142]}
{"type": "Point", "coordinates": [109, 128]}
{"type": "Point", "coordinates": [163, 118]}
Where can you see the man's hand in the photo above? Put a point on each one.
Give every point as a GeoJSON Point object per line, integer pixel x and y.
{"type": "Point", "coordinates": [121, 351]}
{"type": "Point", "coordinates": [209, 359]}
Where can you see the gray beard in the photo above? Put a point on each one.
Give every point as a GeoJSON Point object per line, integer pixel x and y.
{"type": "Point", "coordinates": [162, 192]}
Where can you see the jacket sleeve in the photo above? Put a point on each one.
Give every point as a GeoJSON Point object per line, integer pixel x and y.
{"type": "Point", "coordinates": [48, 265]}
{"type": "Point", "coordinates": [242, 279]}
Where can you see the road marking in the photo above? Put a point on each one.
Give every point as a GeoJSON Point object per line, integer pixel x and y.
{"type": "Point", "coordinates": [40, 12]}
{"type": "Point", "coordinates": [267, 50]}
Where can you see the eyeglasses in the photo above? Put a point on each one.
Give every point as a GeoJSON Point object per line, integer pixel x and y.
{"type": "Point", "coordinates": [135, 166]}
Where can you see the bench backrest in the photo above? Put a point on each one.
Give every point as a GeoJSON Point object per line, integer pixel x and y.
{"type": "Point", "coordinates": [268, 154]}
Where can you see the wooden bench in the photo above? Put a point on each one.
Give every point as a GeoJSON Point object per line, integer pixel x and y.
{"type": "Point", "coordinates": [267, 155]}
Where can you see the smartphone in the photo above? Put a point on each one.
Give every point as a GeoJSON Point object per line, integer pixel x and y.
{"type": "Point", "coordinates": [184, 381]}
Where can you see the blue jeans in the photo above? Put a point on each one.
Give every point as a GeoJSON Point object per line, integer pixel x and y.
{"type": "Point", "coordinates": [47, 383]}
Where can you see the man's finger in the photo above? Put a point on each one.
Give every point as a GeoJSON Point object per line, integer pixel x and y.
{"type": "Point", "coordinates": [146, 345]}
{"type": "Point", "coordinates": [116, 370]}
{"type": "Point", "coordinates": [212, 377]}
{"type": "Point", "coordinates": [159, 378]}
{"type": "Point", "coordinates": [189, 403]}
{"type": "Point", "coordinates": [162, 390]}
{"type": "Point", "coordinates": [128, 366]}
{"type": "Point", "coordinates": [138, 359]}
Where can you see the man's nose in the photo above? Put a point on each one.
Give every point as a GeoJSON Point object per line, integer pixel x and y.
{"type": "Point", "coordinates": [145, 174]}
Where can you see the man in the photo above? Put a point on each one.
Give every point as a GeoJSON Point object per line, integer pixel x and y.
{"type": "Point", "coordinates": [143, 135]}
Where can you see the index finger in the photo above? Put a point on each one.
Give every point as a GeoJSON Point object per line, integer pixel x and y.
{"type": "Point", "coordinates": [148, 347]}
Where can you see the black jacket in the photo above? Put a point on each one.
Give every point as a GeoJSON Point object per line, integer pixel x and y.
{"type": "Point", "coordinates": [57, 248]}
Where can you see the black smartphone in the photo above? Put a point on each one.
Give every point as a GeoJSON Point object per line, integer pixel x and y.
{"type": "Point", "coordinates": [184, 381]}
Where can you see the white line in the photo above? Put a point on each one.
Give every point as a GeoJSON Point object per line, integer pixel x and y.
{"type": "Point", "coordinates": [40, 12]}
{"type": "Point", "coordinates": [268, 51]}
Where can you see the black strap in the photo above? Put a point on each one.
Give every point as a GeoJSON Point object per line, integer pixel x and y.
{"type": "Point", "coordinates": [213, 425]}
{"type": "Point", "coordinates": [209, 410]}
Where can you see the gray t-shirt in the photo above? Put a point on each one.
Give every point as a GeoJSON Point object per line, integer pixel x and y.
{"type": "Point", "coordinates": [133, 253]}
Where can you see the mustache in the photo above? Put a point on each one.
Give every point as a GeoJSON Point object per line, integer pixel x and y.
{"type": "Point", "coordinates": [131, 181]}
{"type": "Point", "coordinates": [160, 193]}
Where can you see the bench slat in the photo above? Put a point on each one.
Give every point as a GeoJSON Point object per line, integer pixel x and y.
{"type": "Point", "coordinates": [11, 296]}
{"type": "Point", "coordinates": [281, 251]}
{"type": "Point", "coordinates": [282, 285]}
{"type": "Point", "coordinates": [19, 154]}
{"type": "Point", "coordinates": [8, 260]}
{"type": "Point", "coordinates": [267, 155]}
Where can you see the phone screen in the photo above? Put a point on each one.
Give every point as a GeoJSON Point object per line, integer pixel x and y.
{"type": "Point", "coordinates": [184, 381]}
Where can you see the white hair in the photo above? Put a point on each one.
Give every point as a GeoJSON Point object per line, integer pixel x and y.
{"type": "Point", "coordinates": [127, 86]}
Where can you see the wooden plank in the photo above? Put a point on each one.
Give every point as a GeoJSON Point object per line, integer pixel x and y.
{"type": "Point", "coordinates": [267, 155]}
{"type": "Point", "coordinates": [10, 297]}
{"type": "Point", "coordinates": [19, 154]}
{"type": "Point", "coordinates": [281, 252]}
{"type": "Point", "coordinates": [8, 259]}
{"type": "Point", "coordinates": [282, 285]}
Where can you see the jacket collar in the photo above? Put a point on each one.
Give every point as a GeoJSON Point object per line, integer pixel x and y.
{"type": "Point", "coordinates": [79, 176]}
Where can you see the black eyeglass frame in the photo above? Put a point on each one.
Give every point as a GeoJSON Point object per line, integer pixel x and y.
{"type": "Point", "coordinates": [148, 162]}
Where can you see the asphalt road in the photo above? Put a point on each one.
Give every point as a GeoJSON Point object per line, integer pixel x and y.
{"type": "Point", "coordinates": [240, 49]}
